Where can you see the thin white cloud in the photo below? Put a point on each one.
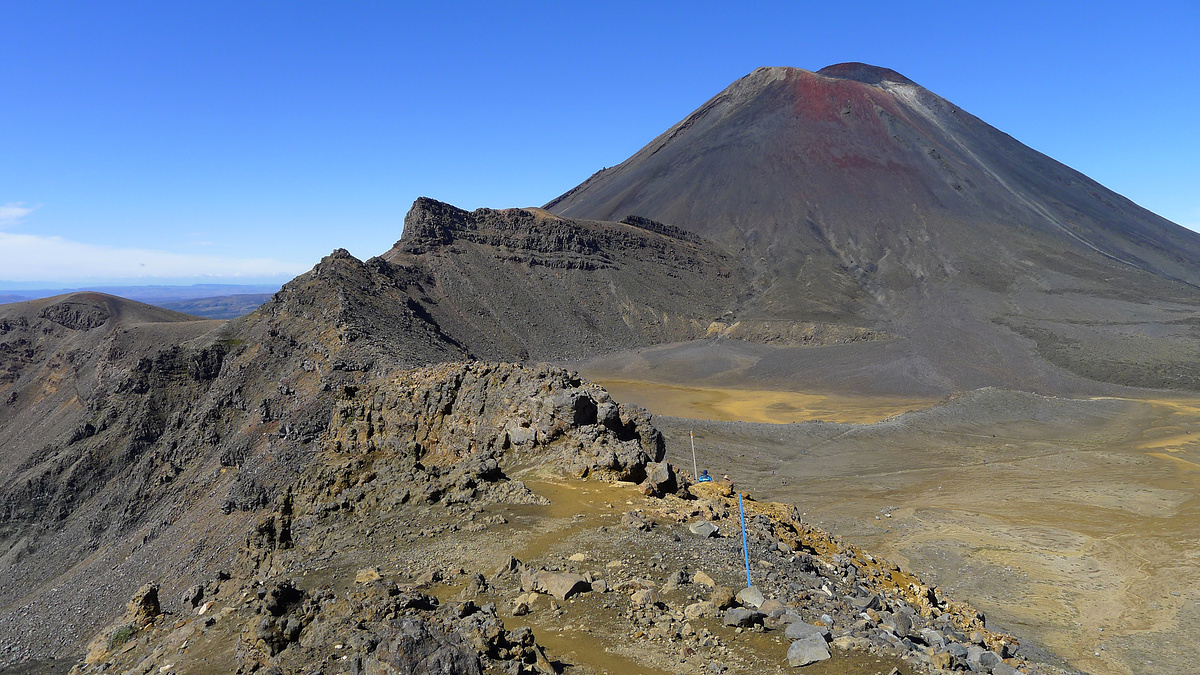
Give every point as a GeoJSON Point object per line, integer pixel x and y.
{"type": "Point", "coordinates": [30, 257]}
{"type": "Point", "coordinates": [12, 213]}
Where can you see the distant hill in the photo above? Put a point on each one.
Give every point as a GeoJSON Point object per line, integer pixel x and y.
{"type": "Point", "coordinates": [211, 301]}
{"type": "Point", "coordinates": [152, 294]}
{"type": "Point", "coordinates": [219, 307]}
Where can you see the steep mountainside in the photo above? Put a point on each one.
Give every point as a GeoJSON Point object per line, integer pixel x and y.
{"type": "Point", "coordinates": [523, 283]}
{"type": "Point", "coordinates": [855, 195]}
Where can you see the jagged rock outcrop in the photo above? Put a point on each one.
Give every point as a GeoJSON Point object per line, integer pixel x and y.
{"type": "Point", "coordinates": [442, 415]}
{"type": "Point", "coordinates": [440, 435]}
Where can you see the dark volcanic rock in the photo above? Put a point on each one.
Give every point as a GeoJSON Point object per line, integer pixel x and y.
{"type": "Point", "coordinates": [409, 647]}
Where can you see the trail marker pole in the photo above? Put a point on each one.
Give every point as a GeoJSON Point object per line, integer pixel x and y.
{"type": "Point", "coordinates": [695, 473]}
{"type": "Point", "coordinates": [745, 549]}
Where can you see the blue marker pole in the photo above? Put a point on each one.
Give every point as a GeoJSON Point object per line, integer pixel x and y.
{"type": "Point", "coordinates": [745, 549]}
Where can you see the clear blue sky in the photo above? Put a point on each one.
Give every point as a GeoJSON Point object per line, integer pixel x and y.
{"type": "Point", "coordinates": [156, 141]}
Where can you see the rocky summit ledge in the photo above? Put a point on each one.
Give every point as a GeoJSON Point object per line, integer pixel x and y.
{"type": "Point", "coordinates": [497, 518]}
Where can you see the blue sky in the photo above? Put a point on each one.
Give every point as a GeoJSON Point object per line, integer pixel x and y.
{"type": "Point", "coordinates": [180, 142]}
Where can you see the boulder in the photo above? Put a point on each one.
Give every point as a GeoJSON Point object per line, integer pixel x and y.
{"type": "Point", "coordinates": [675, 580]}
{"type": "Point", "coordinates": [973, 654]}
{"type": "Point", "coordinates": [409, 646]}
{"type": "Point", "coordinates": [703, 528]}
{"type": "Point", "coordinates": [799, 630]}
{"type": "Point", "coordinates": [700, 610]}
{"type": "Point", "coordinates": [741, 616]}
{"type": "Point", "coordinates": [192, 597]}
{"type": "Point", "coordinates": [751, 597]}
{"type": "Point", "coordinates": [143, 606]}
{"type": "Point", "coordinates": [366, 576]}
{"type": "Point", "coordinates": [510, 566]}
{"type": "Point", "coordinates": [989, 660]}
{"type": "Point", "coordinates": [904, 625]}
{"type": "Point", "coordinates": [529, 580]}
{"type": "Point", "coordinates": [428, 577]}
{"type": "Point", "coordinates": [660, 479]}
{"type": "Point", "coordinates": [563, 586]}
{"type": "Point", "coordinates": [722, 597]}
{"type": "Point", "coordinates": [646, 596]}
{"type": "Point", "coordinates": [932, 638]}
{"type": "Point", "coordinates": [636, 521]}
{"type": "Point", "coordinates": [941, 660]}
{"type": "Point", "coordinates": [521, 606]}
{"type": "Point", "coordinates": [476, 585]}
{"type": "Point", "coordinates": [702, 578]}
{"type": "Point", "coordinates": [807, 650]}
{"type": "Point", "coordinates": [773, 608]}
{"type": "Point", "coordinates": [869, 602]}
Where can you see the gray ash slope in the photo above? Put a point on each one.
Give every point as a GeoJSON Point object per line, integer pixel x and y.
{"type": "Point", "coordinates": [854, 195]}
{"type": "Point", "coordinates": [133, 438]}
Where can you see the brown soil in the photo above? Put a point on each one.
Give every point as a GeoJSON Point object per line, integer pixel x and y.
{"type": "Point", "coordinates": [758, 405]}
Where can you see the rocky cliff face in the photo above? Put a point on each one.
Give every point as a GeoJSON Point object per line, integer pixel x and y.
{"type": "Point", "coordinates": [125, 426]}
{"type": "Point", "coordinates": [523, 283]}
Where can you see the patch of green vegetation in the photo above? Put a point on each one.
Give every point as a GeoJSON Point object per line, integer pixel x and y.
{"type": "Point", "coordinates": [121, 636]}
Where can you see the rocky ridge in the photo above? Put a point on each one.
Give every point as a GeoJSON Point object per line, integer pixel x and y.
{"type": "Point", "coordinates": [122, 423]}
{"type": "Point", "coordinates": [376, 559]}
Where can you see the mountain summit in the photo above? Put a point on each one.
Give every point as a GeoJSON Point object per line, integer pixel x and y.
{"type": "Point", "coordinates": [855, 195]}
{"type": "Point", "coordinates": [862, 72]}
